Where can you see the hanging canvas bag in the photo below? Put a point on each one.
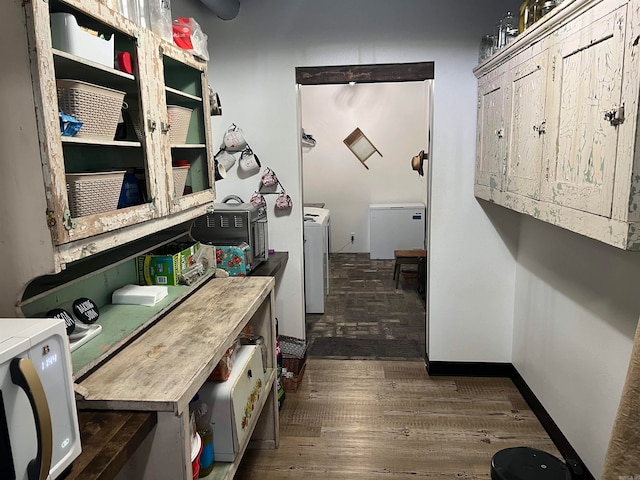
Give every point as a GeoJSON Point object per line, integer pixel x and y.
{"type": "Point", "coordinates": [226, 159]}
{"type": "Point", "coordinates": [258, 200]}
{"type": "Point", "coordinates": [249, 162]}
{"type": "Point", "coordinates": [284, 202]}
{"type": "Point", "coordinates": [234, 140]}
{"type": "Point", "coordinates": [269, 178]}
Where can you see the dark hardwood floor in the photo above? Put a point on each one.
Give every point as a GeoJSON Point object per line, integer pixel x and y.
{"type": "Point", "coordinates": [368, 419]}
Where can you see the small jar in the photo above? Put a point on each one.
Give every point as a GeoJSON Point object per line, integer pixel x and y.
{"type": "Point", "coordinates": [524, 15]}
{"type": "Point", "coordinates": [535, 12]}
{"type": "Point", "coordinates": [486, 47]}
{"type": "Point", "coordinates": [548, 6]}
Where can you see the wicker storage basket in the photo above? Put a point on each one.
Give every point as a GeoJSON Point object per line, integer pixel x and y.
{"type": "Point", "coordinates": [91, 193]}
{"type": "Point", "coordinates": [294, 353]}
{"type": "Point", "coordinates": [180, 179]}
{"type": "Point", "coordinates": [179, 119]}
{"type": "Point", "coordinates": [98, 108]}
{"type": "Point", "coordinates": [136, 120]}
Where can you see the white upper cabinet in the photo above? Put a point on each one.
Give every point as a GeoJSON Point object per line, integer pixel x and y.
{"type": "Point", "coordinates": [527, 124]}
{"type": "Point", "coordinates": [574, 90]}
{"type": "Point", "coordinates": [580, 157]}
{"type": "Point", "coordinates": [168, 154]}
{"type": "Point", "coordinates": [493, 99]}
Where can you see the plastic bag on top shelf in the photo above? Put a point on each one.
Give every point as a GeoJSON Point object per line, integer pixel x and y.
{"type": "Point", "coordinates": [160, 16]}
{"type": "Point", "coordinates": [188, 35]}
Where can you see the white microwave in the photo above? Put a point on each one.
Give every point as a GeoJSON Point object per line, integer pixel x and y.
{"type": "Point", "coordinates": [39, 436]}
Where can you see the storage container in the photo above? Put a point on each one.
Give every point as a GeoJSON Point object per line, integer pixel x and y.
{"type": "Point", "coordinates": [234, 402]}
{"type": "Point", "coordinates": [68, 36]}
{"type": "Point", "coordinates": [91, 193]}
{"type": "Point", "coordinates": [97, 107]}
{"type": "Point", "coordinates": [179, 119]}
{"type": "Point", "coordinates": [180, 179]}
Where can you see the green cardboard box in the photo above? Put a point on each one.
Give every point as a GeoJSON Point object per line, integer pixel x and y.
{"type": "Point", "coordinates": [163, 267]}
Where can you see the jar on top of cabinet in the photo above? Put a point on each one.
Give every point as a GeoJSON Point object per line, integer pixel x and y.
{"type": "Point", "coordinates": [535, 12]}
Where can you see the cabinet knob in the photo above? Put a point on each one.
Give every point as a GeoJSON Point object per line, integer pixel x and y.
{"type": "Point", "coordinates": [615, 116]}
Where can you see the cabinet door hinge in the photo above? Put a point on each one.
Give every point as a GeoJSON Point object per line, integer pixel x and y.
{"type": "Point", "coordinates": [68, 222]}
{"type": "Point", "coordinates": [51, 219]}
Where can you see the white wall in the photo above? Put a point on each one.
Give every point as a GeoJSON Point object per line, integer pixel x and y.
{"type": "Point", "coordinates": [577, 307]}
{"type": "Point", "coordinates": [393, 116]}
{"type": "Point", "coordinates": [253, 60]}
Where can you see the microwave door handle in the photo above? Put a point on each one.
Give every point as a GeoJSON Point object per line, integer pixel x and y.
{"type": "Point", "coordinates": [24, 374]}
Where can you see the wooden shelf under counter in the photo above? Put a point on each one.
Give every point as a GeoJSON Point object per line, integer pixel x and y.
{"type": "Point", "coordinates": [161, 370]}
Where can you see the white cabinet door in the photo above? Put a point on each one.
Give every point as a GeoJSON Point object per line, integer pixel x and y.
{"type": "Point", "coordinates": [490, 149]}
{"type": "Point", "coordinates": [585, 84]}
{"type": "Point", "coordinates": [527, 134]}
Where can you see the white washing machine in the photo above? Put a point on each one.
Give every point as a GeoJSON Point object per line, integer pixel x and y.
{"type": "Point", "coordinates": [317, 223]}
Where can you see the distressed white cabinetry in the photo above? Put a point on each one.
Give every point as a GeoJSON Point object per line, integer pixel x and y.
{"type": "Point", "coordinates": [493, 99]}
{"type": "Point", "coordinates": [39, 230]}
{"type": "Point", "coordinates": [573, 82]}
{"type": "Point", "coordinates": [527, 124]}
{"type": "Point", "coordinates": [581, 151]}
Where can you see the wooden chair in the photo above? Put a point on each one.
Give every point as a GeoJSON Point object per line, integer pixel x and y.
{"type": "Point", "coordinates": [405, 257]}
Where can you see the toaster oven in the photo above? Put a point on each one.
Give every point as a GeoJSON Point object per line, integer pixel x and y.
{"type": "Point", "coordinates": [234, 224]}
{"type": "Point", "coordinates": [39, 436]}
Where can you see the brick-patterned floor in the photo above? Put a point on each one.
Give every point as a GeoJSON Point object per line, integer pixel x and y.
{"type": "Point", "coordinates": [364, 303]}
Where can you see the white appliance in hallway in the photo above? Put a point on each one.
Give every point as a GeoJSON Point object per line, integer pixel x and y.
{"type": "Point", "coordinates": [395, 226]}
{"type": "Point", "coordinates": [317, 223]}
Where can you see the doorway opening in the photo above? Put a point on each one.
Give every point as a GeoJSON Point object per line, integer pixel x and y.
{"type": "Point", "coordinates": [389, 106]}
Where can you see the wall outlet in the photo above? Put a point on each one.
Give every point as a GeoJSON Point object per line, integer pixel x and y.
{"type": "Point", "coordinates": [353, 237]}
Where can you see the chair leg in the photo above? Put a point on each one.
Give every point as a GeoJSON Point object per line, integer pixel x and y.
{"type": "Point", "coordinates": [396, 274]}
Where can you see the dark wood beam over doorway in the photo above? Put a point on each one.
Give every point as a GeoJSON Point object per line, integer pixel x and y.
{"type": "Point", "coordinates": [386, 72]}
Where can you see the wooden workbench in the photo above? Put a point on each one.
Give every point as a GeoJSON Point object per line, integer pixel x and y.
{"type": "Point", "coordinates": [163, 369]}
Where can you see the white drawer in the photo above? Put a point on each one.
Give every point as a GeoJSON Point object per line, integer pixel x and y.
{"type": "Point", "coordinates": [233, 402]}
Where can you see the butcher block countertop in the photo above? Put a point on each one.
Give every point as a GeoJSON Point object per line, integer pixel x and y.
{"type": "Point", "coordinates": [163, 368]}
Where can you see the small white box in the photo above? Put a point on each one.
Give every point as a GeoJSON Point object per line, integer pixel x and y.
{"type": "Point", "coordinates": [233, 402]}
{"type": "Point", "coordinates": [147, 295]}
{"type": "Point", "coordinates": [68, 36]}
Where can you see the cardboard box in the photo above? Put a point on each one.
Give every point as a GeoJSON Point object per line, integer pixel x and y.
{"type": "Point", "coordinates": [163, 268]}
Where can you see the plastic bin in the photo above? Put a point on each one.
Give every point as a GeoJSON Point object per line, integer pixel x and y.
{"type": "Point", "coordinates": [91, 193]}
{"type": "Point", "coordinates": [68, 36]}
{"type": "Point", "coordinates": [180, 179]}
{"type": "Point", "coordinates": [179, 119]}
{"type": "Point", "coordinates": [97, 107]}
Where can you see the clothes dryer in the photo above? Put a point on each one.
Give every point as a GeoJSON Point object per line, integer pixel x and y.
{"type": "Point", "coordinates": [317, 223]}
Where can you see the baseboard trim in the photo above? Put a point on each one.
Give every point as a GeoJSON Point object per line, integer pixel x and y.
{"type": "Point", "coordinates": [469, 369]}
{"type": "Point", "coordinates": [508, 370]}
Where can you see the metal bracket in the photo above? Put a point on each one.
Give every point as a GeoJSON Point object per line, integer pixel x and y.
{"type": "Point", "coordinates": [152, 205]}
{"type": "Point", "coordinates": [164, 127]}
{"type": "Point", "coordinates": [176, 199]}
{"type": "Point", "coordinates": [51, 219]}
{"type": "Point", "coordinates": [540, 128]}
{"type": "Point", "coordinates": [68, 222]}
{"type": "Point", "coordinates": [615, 116]}
{"type": "Point", "coordinates": [152, 124]}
